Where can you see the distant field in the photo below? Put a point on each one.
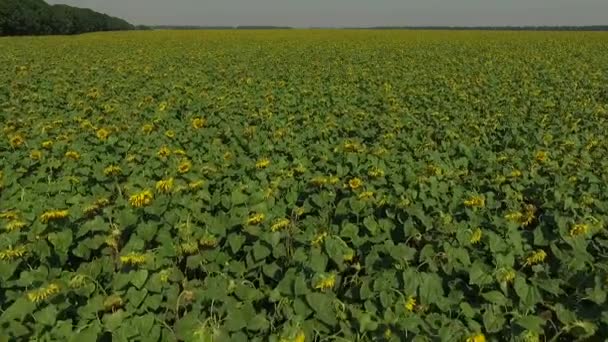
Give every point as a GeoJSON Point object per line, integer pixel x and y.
{"type": "Point", "coordinates": [304, 185]}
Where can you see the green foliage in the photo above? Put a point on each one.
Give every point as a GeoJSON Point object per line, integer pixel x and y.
{"type": "Point", "coordinates": [304, 185]}
{"type": "Point", "coordinates": [36, 17]}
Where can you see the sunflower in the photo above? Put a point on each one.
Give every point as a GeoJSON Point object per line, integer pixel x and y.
{"type": "Point", "coordinates": [541, 156]}
{"type": "Point", "coordinates": [165, 185]}
{"type": "Point", "coordinates": [141, 199]}
{"type": "Point", "coordinates": [375, 172]}
{"type": "Point", "coordinates": [163, 152]}
{"type": "Point", "coordinates": [478, 337]}
{"type": "Point", "coordinates": [536, 257]}
{"type": "Point", "coordinates": [35, 155]}
{"type": "Point", "coordinates": [147, 128]}
{"type": "Point", "coordinates": [318, 181]}
{"type": "Point", "coordinates": [256, 219]}
{"type": "Point", "coordinates": [133, 259]}
{"type": "Point", "coordinates": [112, 170]}
{"type": "Point", "coordinates": [280, 224]}
{"type": "Point", "coordinates": [198, 123]}
{"type": "Point", "coordinates": [410, 304]}
{"type": "Point", "coordinates": [262, 163]}
{"type": "Point", "coordinates": [12, 253]}
{"type": "Point", "coordinates": [475, 202]}
{"type": "Point", "coordinates": [476, 236]}
{"type": "Point", "coordinates": [72, 155]}
{"type": "Point", "coordinates": [54, 215]}
{"type": "Point", "coordinates": [184, 166]}
{"type": "Point", "coordinates": [47, 144]}
{"type": "Point", "coordinates": [579, 229]}
{"type": "Point", "coordinates": [43, 293]}
{"type": "Point", "coordinates": [102, 134]}
{"type": "Point", "coordinates": [366, 195]}
{"type": "Point", "coordinates": [326, 282]}
{"type": "Point", "coordinates": [16, 140]}
{"type": "Point", "coordinates": [355, 183]}
{"type": "Point", "coordinates": [505, 275]}
{"type": "Point", "coordinates": [15, 225]}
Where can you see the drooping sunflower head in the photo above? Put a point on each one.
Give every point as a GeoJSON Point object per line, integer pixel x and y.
{"type": "Point", "coordinates": [325, 282]}
{"type": "Point", "coordinates": [10, 254]}
{"type": "Point", "coordinates": [141, 199]}
{"type": "Point", "coordinates": [410, 303]}
{"type": "Point", "coordinates": [133, 259]}
{"type": "Point", "coordinates": [536, 257]}
{"type": "Point", "coordinates": [163, 152]}
{"type": "Point", "coordinates": [541, 156]}
{"type": "Point", "coordinates": [579, 229]}
{"type": "Point", "coordinates": [35, 155]}
{"type": "Point", "coordinates": [280, 224]}
{"type": "Point", "coordinates": [476, 201]}
{"type": "Point", "coordinates": [262, 163]}
{"type": "Point", "coordinates": [355, 183]}
{"type": "Point", "coordinates": [43, 293]}
{"type": "Point", "coordinates": [16, 140]}
{"type": "Point", "coordinates": [255, 219]}
{"type": "Point", "coordinates": [375, 172]}
{"type": "Point", "coordinates": [73, 155]}
{"type": "Point", "coordinates": [102, 134]}
{"type": "Point", "coordinates": [198, 123]}
{"type": "Point", "coordinates": [478, 337]}
{"type": "Point", "coordinates": [112, 170]}
{"type": "Point", "coordinates": [476, 236]}
{"type": "Point", "coordinates": [165, 185]}
{"type": "Point", "coordinates": [47, 145]}
{"type": "Point", "coordinates": [505, 275]}
{"type": "Point", "coordinates": [54, 215]}
{"type": "Point", "coordinates": [147, 128]}
{"type": "Point", "coordinates": [184, 166]}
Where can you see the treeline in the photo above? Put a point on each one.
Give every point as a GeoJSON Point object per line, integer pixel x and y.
{"type": "Point", "coordinates": [36, 17]}
{"type": "Point", "coordinates": [198, 27]}
{"type": "Point", "coordinates": [495, 28]}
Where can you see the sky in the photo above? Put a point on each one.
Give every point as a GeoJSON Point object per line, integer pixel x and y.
{"type": "Point", "coordinates": [340, 13]}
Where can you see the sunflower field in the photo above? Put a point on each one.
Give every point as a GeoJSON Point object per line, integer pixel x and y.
{"type": "Point", "coordinates": [304, 185]}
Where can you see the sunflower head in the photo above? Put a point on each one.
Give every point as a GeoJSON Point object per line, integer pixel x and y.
{"type": "Point", "coordinates": [184, 166]}
{"type": "Point", "coordinates": [198, 123]}
{"type": "Point", "coordinates": [102, 134]}
{"type": "Point", "coordinates": [355, 183]}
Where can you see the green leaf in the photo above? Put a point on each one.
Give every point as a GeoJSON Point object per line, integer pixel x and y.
{"type": "Point", "coordinates": [532, 323]}
{"type": "Point", "coordinates": [138, 278]}
{"type": "Point", "coordinates": [236, 241]}
{"type": "Point", "coordinates": [495, 297]}
{"type": "Point", "coordinates": [431, 288]}
{"type": "Point", "coordinates": [238, 198]}
{"type": "Point", "coordinates": [61, 241]}
{"type": "Point", "coordinates": [528, 295]}
{"type": "Point", "coordinates": [258, 322]}
{"type": "Point", "coordinates": [136, 297]}
{"type": "Point", "coordinates": [371, 225]}
{"type": "Point", "coordinates": [112, 321]}
{"type": "Point", "coordinates": [260, 251]}
{"type": "Point", "coordinates": [480, 274]}
{"type": "Point", "coordinates": [47, 316]}
{"type": "Point", "coordinates": [143, 324]}
{"type": "Point", "coordinates": [87, 334]}
{"type": "Point", "coordinates": [18, 310]}
{"type": "Point", "coordinates": [237, 320]}
{"type": "Point", "coordinates": [320, 303]}
{"type": "Point", "coordinates": [493, 320]}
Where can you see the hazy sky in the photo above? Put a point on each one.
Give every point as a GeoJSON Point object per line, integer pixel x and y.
{"type": "Point", "coordinates": [304, 13]}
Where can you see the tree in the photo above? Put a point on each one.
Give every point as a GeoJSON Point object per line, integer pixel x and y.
{"type": "Point", "coordinates": [34, 17]}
